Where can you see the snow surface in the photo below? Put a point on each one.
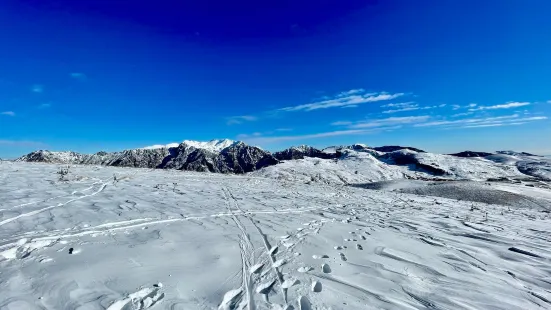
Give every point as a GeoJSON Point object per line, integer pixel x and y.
{"type": "Point", "coordinates": [362, 167]}
{"type": "Point", "coordinates": [214, 146]}
{"type": "Point", "coordinates": [166, 239]}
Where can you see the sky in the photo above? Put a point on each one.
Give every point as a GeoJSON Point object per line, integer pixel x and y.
{"type": "Point", "coordinates": [444, 76]}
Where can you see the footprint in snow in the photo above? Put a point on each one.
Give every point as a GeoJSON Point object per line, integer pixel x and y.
{"type": "Point", "coordinates": [273, 250]}
{"type": "Point", "coordinates": [256, 268]}
{"type": "Point", "coordinates": [343, 257]}
{"type": "Point", "coordinates": [316, 287]}
{"type": "Point", "coordinates": [359, 247]}
{"type": "Point", "coordinates": [363, 237]}
{"type": "Point", "coordinates": [279, 263]}
{"type": "Point", "coordinates": [304, 269]}
{"type": "Point", "coordinates": [266, 287]}
{"type": "Point", "coordinates": [289, 283]}
{"type": "Point", "coordinates": [231, 299]}
{"type": "Point", "coordinates": [304, 303]}
{"type": "Point", "coordinates": [325, 268]}
{"type": "Point", "coordinates": [140, 300]}
{"type": "Point", "coordinates": [319, 257]}
{"type": "Point", "coordinates": [338, 247]}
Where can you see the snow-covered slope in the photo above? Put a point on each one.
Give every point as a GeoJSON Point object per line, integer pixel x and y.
{"type": "Point", "coordinates": [118, 239]}
{"type": "Point", "coordinates": [214, 146]}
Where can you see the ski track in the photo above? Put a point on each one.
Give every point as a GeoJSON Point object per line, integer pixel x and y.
{"type": "Point", "coordinates": [9, 220]}
{"type": "Point", "coordinates": [332, 247]}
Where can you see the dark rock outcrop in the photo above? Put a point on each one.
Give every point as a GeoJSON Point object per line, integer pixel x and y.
{"type": "Point", "coordinates": [471, 154]}
{"type": "Point", "coordinates": [303, 151]}
{"type": "Point", "coordinates": [236, 158]}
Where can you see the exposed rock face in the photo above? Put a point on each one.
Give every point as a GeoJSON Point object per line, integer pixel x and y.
{"type": "Point", "coordinates": [513, 153]}
{"type": "Point", "coordinates": [406, 157]}
{"type": "Point", "coordinates": [471, 154]}
{"type": "Point", "coordinates": [236, 158]}
{"type": "Point", "coordinates": [303, 151]}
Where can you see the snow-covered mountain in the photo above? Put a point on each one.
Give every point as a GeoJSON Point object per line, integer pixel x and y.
{"type": "Point", "coordinates": [336, 165]}
{"type": "Point", "coordinates": [224, 156]}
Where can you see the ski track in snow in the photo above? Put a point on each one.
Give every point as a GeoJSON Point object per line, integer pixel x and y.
{"type": "Point", "coordinates": [240, 242]}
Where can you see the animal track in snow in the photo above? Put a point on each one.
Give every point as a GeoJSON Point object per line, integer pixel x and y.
{"type": "Point", "coordinates": [359, 247]}
{"type": "Point", "coordinates": [343, 257]}
{"type": "Point", "coordinates": [325, 268]}
{"type": "Point", "coordinates": [338, 247]}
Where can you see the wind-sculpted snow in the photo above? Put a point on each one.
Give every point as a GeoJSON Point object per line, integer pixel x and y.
{"type": "Point", "coordinates": [114, 238]}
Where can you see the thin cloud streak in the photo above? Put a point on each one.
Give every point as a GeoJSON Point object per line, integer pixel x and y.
{"type": "Point", "coordinates": [21, 143]}
{"type": "Point", "coordinates": [234, 120]}
{"type": "Point", "coordinates": [374, 123]}
{"type": "Point", "coordinates": [8, 113]}
{"type": "Point", "coordinates": [507, 105]}
{"type": "Point", "coordinates": [266, 140]}
{"type": "Point", "coordinates": [343, 99]}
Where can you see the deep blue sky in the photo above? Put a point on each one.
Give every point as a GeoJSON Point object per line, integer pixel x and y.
{"type": "Point", "coordinates": [110, 75]}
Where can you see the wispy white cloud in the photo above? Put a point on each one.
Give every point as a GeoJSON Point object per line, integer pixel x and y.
{"type": "Point", "coordinates": [507, 105]}
{"type": "Point", "coordinates": [507, 120]}
{"type": "Point", "coordinates": [385, 122]}
{"type": "Point", "coordinates": [343, 99]}
{"type": "Point", "coordinates": [8, 113]}
{"type": "Point", "coordinates": [351, 92]}
{"type": "Point", "coordinates": [234, 120]}
{"type": "Point", "coordinates": [465, 121]}
{"type": "Point", "coordinates": [462, 114]}
{"type": "Point", "coordinates": [37, 88]}
{"type": "Point", "coordinates": [78, 75]}
{"type": "Point", "coordinates": [409, 106]}
{"type": "Point", "coordinates": [341, 123]}
{"type": "Point", "coordinates": [271, 139]}
{"type": "Point", "coordinates": [283, 129]}
{"type": "Point", "coordinates": [398, 104]}
{"type": "Point", "coordinates": [45, 105]}
{"type": "Point", "coordinates": [401, 110]}
{"type": "Point", "coordinates": [22, 143]}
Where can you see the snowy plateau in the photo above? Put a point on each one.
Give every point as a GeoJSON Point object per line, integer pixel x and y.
{"type": "Point", "coordinates": [223, 225]}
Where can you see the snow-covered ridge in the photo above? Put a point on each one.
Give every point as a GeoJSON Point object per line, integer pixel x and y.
{"type": "Point", "coordinates": [212, 145]}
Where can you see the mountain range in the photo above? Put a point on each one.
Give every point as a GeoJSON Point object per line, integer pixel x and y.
{"type": "Point", "coordinates": [347, 163]}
